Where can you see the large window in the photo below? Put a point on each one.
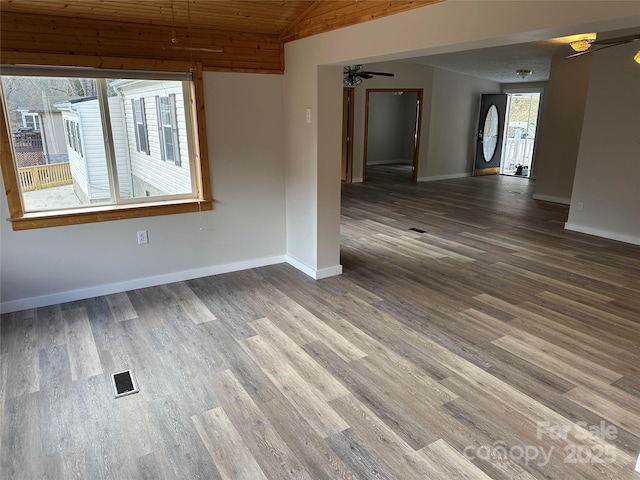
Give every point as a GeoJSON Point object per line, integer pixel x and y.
{"type": "Point", "coordinates": [101, 125]}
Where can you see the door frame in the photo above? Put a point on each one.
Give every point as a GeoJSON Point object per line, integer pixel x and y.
{"type": "Point", "coordinates": [541, 90]}
{"type": "Point", "coordinates": [418, 128]}
{"type": "Point", "coordinates": [348, 103]}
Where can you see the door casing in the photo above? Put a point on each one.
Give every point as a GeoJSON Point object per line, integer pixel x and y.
{"type": "Point", "coordinates": [418, 128]}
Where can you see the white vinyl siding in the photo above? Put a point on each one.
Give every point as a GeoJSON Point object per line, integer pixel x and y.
{"type": "Point", "coordinates": [94, 150]}
{"type": "Point", "coordinates": [77, 163]}
{"type": "Point", "coordinates": [165, 176]}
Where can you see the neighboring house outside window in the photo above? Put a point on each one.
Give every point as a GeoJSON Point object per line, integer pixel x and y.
{"type": "Point", "coordinates": [168, 128]}
{"type": "Point", "coordinates": [31, 120]}
{"type": "Point", "coordinates": [140, 118]}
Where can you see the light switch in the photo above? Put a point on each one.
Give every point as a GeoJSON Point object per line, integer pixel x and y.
{"type": "Point", "coordinates": [308, 115]}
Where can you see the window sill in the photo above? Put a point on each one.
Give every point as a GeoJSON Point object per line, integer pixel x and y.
{"type": "Point", "coordinates": [106, 213]}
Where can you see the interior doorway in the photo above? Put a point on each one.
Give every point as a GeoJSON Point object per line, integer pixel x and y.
{"type": "Point", "coordinates": [392, 134]}
{"type": "Point", "coordinates": [520, 133]}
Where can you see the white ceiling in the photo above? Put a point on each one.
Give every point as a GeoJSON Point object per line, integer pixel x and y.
{"type": "Point", "coordinates": [500, 63]}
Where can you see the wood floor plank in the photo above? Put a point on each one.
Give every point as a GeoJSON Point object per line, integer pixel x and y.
{"type": "Point", "coordinates": [286, 351]}
{"type": "Point", "coordinates": [58, 430]}
{"type": "Point", "coordinates": [567, 365]}
{"type": "Point", "coordinates": [314, 453]}
{"type": "Point", "coordinates": [608, 409]}
{"type": "Point", "coordinates": [226, 447]}
{"type": "Point", "coordinates": [155, 466]}
{"type": "Point", "coordinates": [50, 325]}
{"type": "Point", "coordinates": [453, 462]}
{"type": "Point", "coordinates": [263, 441]}
{"type": "Point", "coordinates": [121, 307]}
{"type": "Point", "coordinates": [83, 355]}
{"type": "Point", "coordinates": [20, 456]}
{"type": "Point", "coordinates": [197, 311]}
{"type": "Point", "coordinates": [21, 354]}
{"type": "Point", "coordinates": [304, 396]}
{"type": "Point", "coordinates": [408, 463]}
{"type": "Point", "coordinates": [184, 449]}
{"type": "Point", "coordinates": [362, 461]}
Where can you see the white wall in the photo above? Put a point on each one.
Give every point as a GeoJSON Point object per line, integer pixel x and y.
{"type": "Point", "coordinates": [246, 227]}
{"type": "Point", "coordinates": [455, 108]}
{"type": "Point", "coordinates": [387, 140]}
{"type": "Point", "coordinates": [607, 177]}
{"type": "Point", "coordinates": [560, 128]}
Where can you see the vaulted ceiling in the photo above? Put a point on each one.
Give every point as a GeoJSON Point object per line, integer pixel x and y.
{"type": "Point", "coordinates": [239, 35]}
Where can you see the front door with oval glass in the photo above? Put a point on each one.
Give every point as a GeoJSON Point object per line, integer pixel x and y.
{"type": "Point", "coordinates": [490, 132]}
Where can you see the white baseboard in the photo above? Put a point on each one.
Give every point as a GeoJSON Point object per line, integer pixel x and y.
{"type": "Point", "coordinates": [312, 272]}
{"type": "Point", "coordinates": [108, 289]}
{"type": "Point", "coordinates": [638, 464]}
{"type": "Point", "coordinates": [549, 198]}
{"type": "Point", "coordinates": [620, 237]}
{"type": "Point", "coordinates": [443, 177]}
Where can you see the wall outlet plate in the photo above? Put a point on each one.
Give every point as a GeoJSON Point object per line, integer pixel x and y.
{"type": "Point", "coordinates": [143, 238]}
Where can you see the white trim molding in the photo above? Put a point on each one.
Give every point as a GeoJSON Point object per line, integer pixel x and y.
{"type": "Point", "coordinates": [435, 178]}
{"type": "Point", "coordinates": [552, 199]}
{"type": "Point", "coordinates": [108, 289]}
{"type": "Point", "coordinates": [312, 272]}
{"type": "Point", "coordinates": [620, 237]}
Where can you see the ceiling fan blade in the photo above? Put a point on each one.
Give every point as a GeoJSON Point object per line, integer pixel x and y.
{"type": "Point", "coordinates": [378, 73]}
{"type": "Point", "coordinates": [619, 40]}
{"type": "Point", "coordinates": [594, 50]}
{"type": "Point", "coordinates": [364, 75]}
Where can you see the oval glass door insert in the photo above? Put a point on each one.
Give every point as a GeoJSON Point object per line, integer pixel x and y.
{"type": "Point", "coordinates": [490, 134]}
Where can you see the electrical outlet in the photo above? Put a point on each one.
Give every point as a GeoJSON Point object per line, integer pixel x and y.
{"type": "Point", "coordinates": [143, 238]}
{"type": "Point", "coordinates": [580, 206]}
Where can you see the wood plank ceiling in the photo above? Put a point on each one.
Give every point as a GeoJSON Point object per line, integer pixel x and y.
{"type": "Point", "coordinates": [232, 35]}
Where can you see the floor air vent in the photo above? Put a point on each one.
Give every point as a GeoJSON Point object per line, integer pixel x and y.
{"type": "Point", "coordinates": [413, 229]}
{"type": "Point", "coordinates": [124, 383]}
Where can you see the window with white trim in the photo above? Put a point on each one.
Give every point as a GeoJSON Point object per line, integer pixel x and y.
{"type": "Point", "coordinates": [168, 128]}
{"type": "Point", "coordinates": [31, 120]}
{"type": "Point", "coordinates": [140, 119]}
{"type": "Point", "coordinates": [114, 157]}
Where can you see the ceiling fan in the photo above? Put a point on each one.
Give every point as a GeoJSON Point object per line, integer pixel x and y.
{"type": "Point", "coordinates": [353, 75]}
{"type": "Point", "coordinates": [582, 46]}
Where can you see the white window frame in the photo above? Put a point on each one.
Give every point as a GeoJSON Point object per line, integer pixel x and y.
{"type": "Point", "coordinates": [35, 118]}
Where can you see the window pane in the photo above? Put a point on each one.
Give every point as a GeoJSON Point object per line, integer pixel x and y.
{"type": "Point", "coordinates": [146, 163]}
{"type": "Point", "coordinates": [61, 159]}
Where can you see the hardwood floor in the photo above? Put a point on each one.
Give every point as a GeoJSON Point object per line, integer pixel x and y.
{"type": "Point", "coordinates": [488, 346]}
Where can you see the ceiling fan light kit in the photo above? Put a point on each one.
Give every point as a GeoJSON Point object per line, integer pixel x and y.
{"type": "Point", "coordinates": [523, 73]}
{"type": "Point", "coordinates": [637, 57]}
{"type": "Point", "coordinates": [582, 44]}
